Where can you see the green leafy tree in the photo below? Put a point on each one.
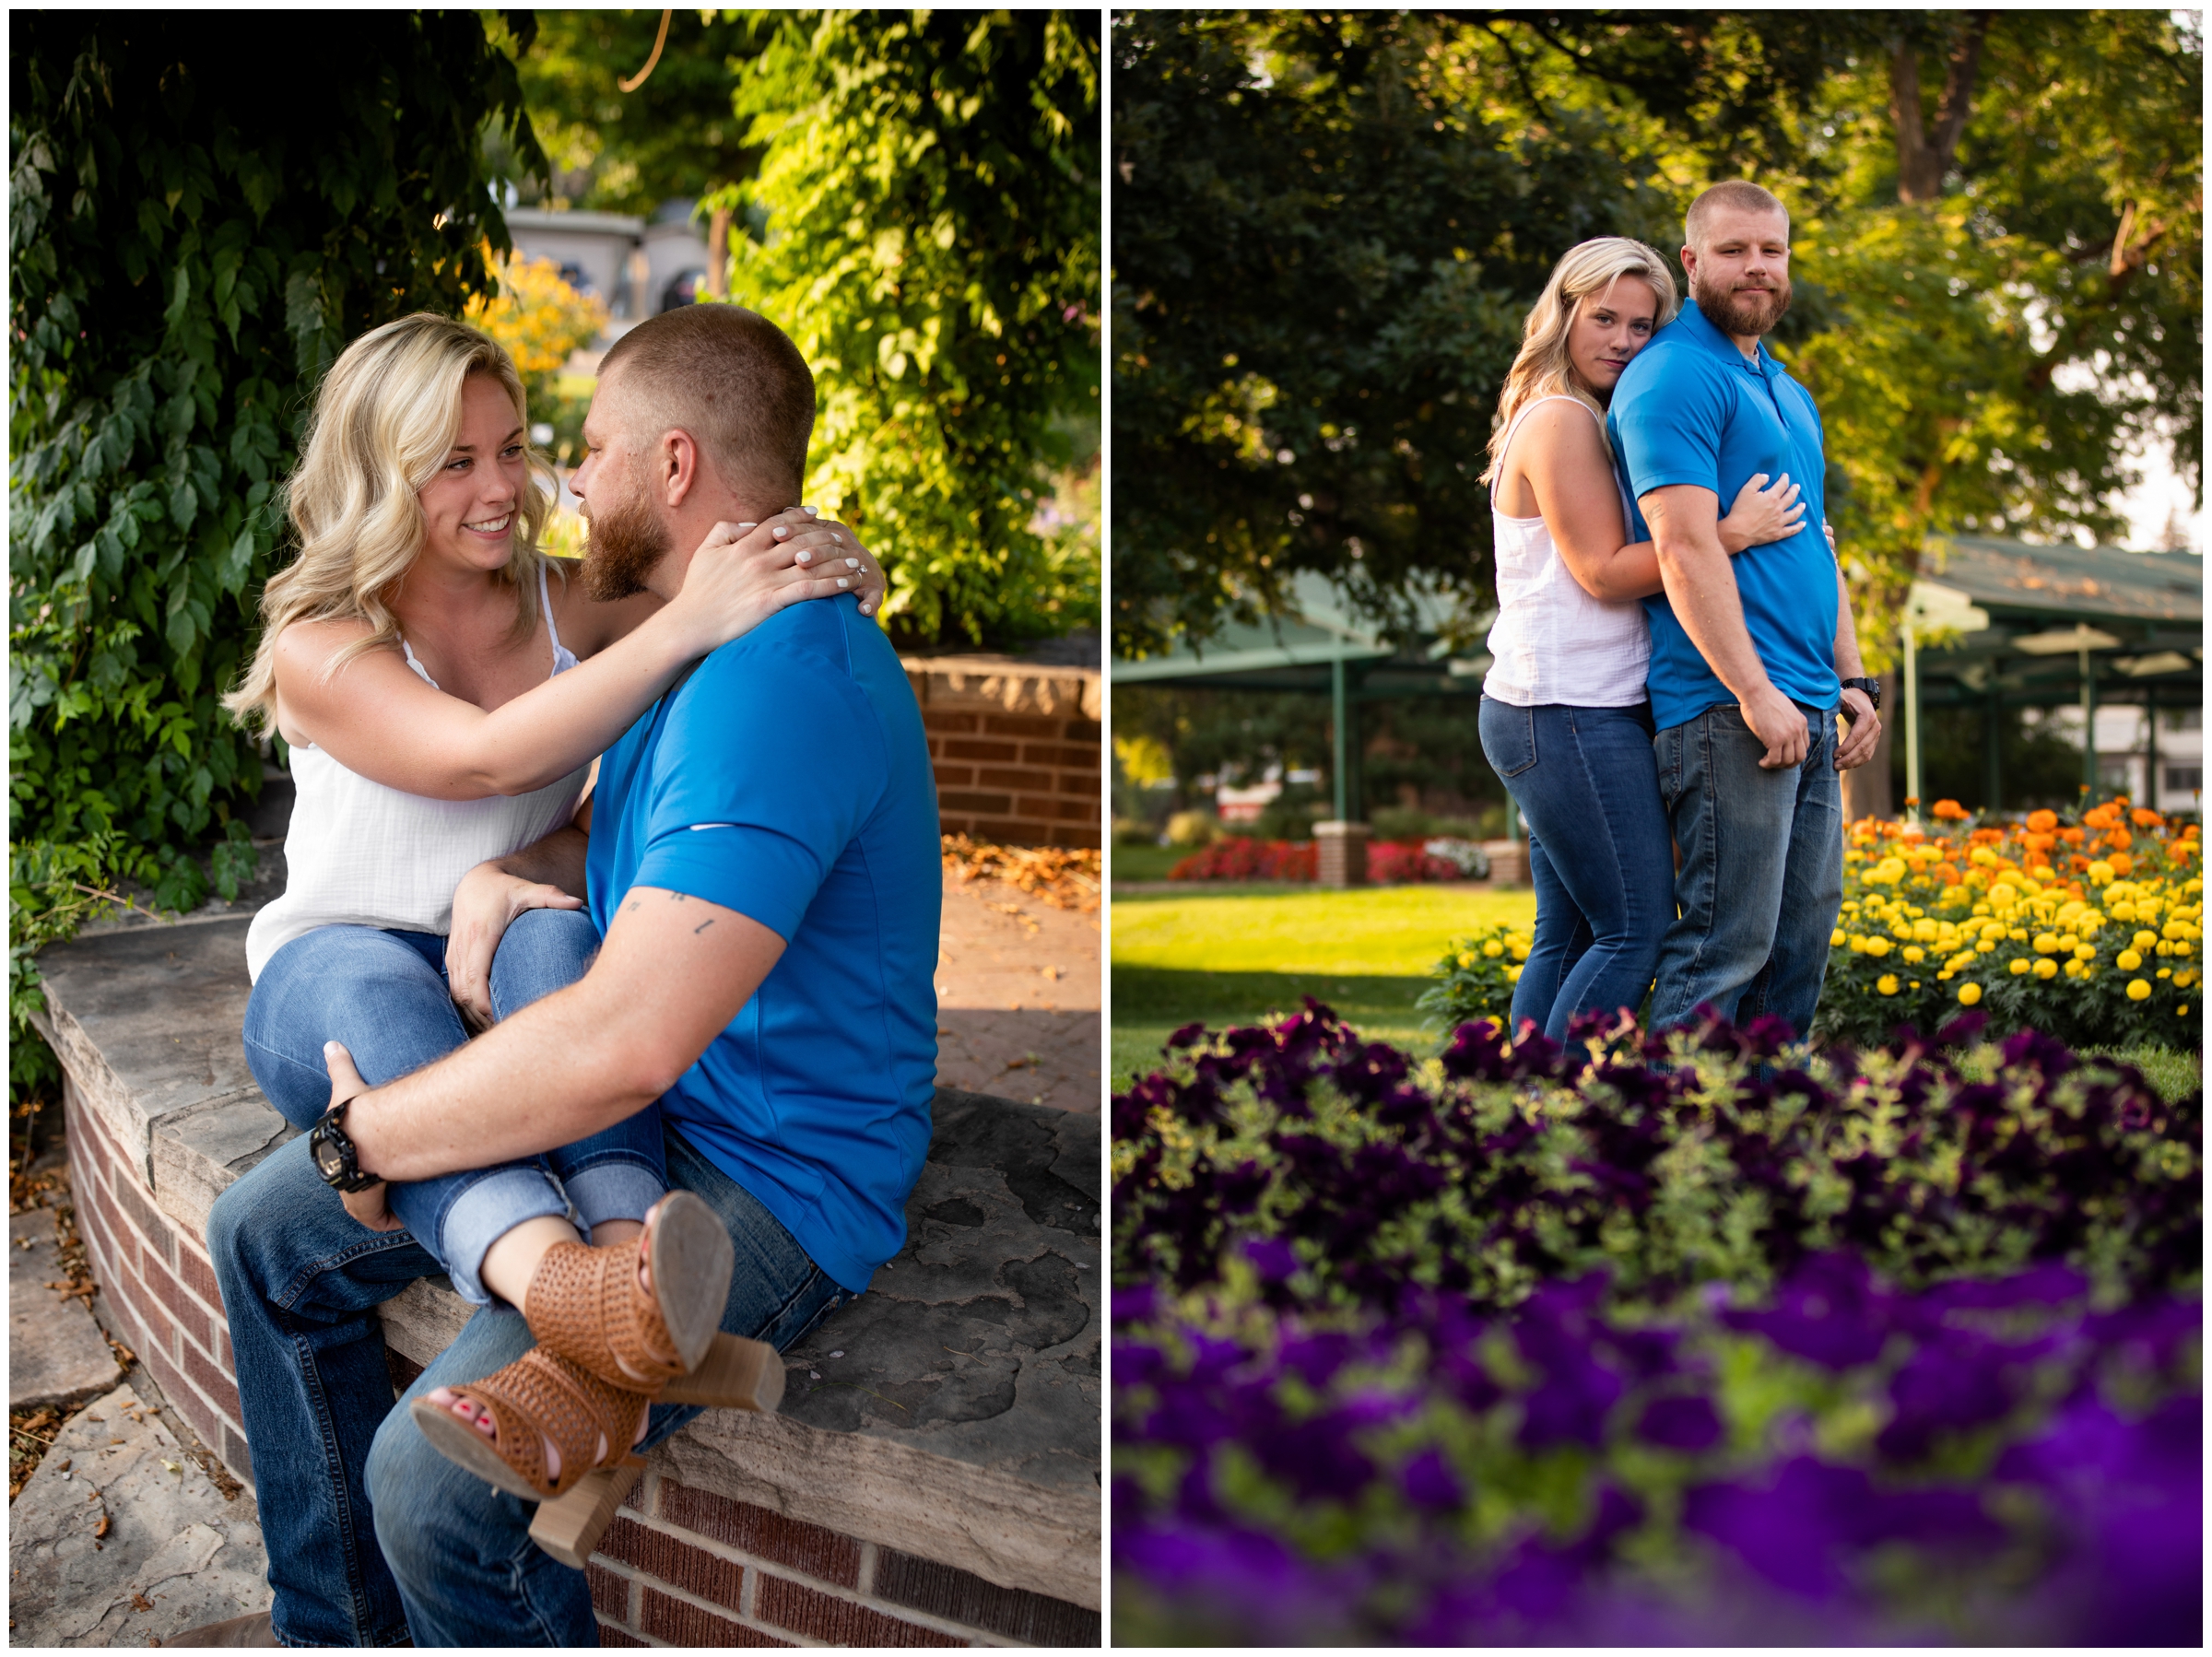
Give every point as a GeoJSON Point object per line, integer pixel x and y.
{"type": "Point", "coordinates": [1328, 227]}
{"type": "Point", "coordinates": [1999, 269]}
{"type": "Point", "coordinates": [672, 135]}
{"type": "Point", "coordinates": [928, 186]}
{"type": "Point", "coordinates": [197, 226]}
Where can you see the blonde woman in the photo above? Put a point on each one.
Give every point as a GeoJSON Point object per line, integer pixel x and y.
{"type": "Point", "coordinates": [444, 694]}
{"type": "Point", "coordinates": [1564, 718]}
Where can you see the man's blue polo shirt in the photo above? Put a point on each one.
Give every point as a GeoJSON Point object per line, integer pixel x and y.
{"type": "Point", "coordinates": [1692, 408]}
{"type": "Point", "coordinates": [788, 779]}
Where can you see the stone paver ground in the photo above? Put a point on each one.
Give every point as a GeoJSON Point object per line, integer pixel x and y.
{"type": "Point", "coordinates": [1019, 1008]}
{"type": "Point", "coordinates": [121, 1539]}
{"type": "Point", "coordinates": [55, 1352]}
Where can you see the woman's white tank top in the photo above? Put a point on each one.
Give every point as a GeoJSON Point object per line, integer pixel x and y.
{"type": "Point", "coordinates": [1552, 642]}
{"type": "Point", "coordinates": [358, 853]}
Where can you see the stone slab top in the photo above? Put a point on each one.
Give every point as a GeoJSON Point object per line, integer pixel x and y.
{"type": "Point", "coordinates": [980, 1342]}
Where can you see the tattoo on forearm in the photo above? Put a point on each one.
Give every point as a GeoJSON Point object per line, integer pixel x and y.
{"type": "Point", "coordinates": [703, 926]}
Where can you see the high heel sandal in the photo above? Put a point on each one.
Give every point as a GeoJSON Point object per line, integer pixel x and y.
{"type": "Point", "coordinates": [587, 1303]}
{"type": "Point", "coordinates": [538, 1398]}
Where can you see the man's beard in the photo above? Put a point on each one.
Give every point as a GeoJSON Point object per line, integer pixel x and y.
{"type": "Point", "coordinates": [626, 543]}
{"type": "Point", "coordinates": [1743, 313]}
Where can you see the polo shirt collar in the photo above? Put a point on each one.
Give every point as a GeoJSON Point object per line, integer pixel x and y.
{"type": "Point", "coordinates": [1694, 322]}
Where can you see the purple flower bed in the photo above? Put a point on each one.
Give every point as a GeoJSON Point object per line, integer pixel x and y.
{"type": "Point", "coordinates": [1676, 1346]}
{"type": "Point", "coordinates": [1981, 1461]}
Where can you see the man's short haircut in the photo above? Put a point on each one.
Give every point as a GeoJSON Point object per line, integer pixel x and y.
{"type": "Point", "coordinates": [736, 382]}
{"type": "Point", "coordinates": [1739, 194]}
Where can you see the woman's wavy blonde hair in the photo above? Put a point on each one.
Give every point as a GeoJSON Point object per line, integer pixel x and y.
{"type": "Point", "coordinates": [384, 422]}
{"type": "Point", "coordinates": [1542, 368]}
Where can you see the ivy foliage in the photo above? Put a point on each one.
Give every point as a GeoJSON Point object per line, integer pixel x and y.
{"type": "Point", "coordinates": [203, 212]}
{"type": "Point", "coordinates": [929, 188]}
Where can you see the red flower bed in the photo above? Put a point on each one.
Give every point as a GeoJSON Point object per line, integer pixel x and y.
{"type": "Point", "coordinates": [1389, 863]}
{"type": "Point", "coordinates": [1242, 858]}
{"type": "Point", "coordinates": [1401, 862]}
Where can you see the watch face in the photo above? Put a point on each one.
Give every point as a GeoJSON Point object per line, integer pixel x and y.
{"type": "Point", "coordinates": [327, 1157]}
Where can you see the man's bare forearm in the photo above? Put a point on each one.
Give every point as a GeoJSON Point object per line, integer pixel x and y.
{"type": "Point", "coordinates": [557, 860]}
{"type": "Point", "coordinates": [559, 1071]}
{"type": "Point", "coordinates": [1693, 566]}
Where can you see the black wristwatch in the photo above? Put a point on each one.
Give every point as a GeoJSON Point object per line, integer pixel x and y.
{"type": "Point", "coordinates": [1873, 688]}
{"type": "Point", "coordinates": [332, 1148]}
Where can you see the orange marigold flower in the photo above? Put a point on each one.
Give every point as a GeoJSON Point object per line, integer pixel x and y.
{"type": "Point", "coordinates": [2040, 842]}
{"type": "Point", "coordinates": [2120, 839]}
{"type": "Point", "coordinates": [2072, 837]}
{"type": "Point", "coordinates": [1950, 811]}
{"type": "Point", "coordinates": [2078, 860]}
{"type": "Point", "coordinates": [2121, 862]}
{"type": "Point", "coordinates": [2042, 822]}
{"type": "Point", "coordinates": [2145, 820]}
{"type": "Point", "coordinates": [1949, 873]}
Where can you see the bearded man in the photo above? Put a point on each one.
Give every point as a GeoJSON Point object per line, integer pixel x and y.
{"type": "Point", "coordinates": [760, 860]}
{"type": "Point", "coordinates": [1753, 659]}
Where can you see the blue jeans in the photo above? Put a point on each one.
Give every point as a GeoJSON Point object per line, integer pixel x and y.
{"type": "Point", "coordinates": [373, 1537]}
{"type": "Point", "coordinates": [1761, 880]}
{"type": "Point", "coordinates": [1597, 856]}
{"type": "Point", "coordinates": [383, 995]}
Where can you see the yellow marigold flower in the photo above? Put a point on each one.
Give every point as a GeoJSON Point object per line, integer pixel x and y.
{"type": "Point", "coordinates": [1877, 948]}
{"type": "Point", "coordinates": [2127, 960]}
{"type": "Point", "coordinates": [2046, 969]}
{"type": "Point", "coordinates": [2101, 874]}
{"type": "Point", "coordinates": [1513, 975]}
{"type": "Point", "coordinates": [2046, 943]}
{"type": "Point", "coordinates": [1466, 957]}
{"type": "Point", "coordinates": [2138, 989]}
{"type": "Point", "coordinates": [2146, 940]}
{"type": "Point", "coordinates": [1886, 983]}
{"type": "Point", "coordinates": [2085, 952]}
{"type": "Point", "coordinates": [2181, 1011]}
{"type": "Point", "coordinates": [1835, 938]}
{"type": "Point", "coordinates": [2165, 972]}
{"type": "Point", "coordinates": [2018, 968]}
{"type": "Point", "coordinates": [1493, 949]}
{"type": "Point", "coordinates": [1969, 993]}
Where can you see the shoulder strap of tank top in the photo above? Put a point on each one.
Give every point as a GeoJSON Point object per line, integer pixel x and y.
{"type": "Point", "coordinates": [1527, 410]}
{"type": "Point", "coordinates": [545, 603]}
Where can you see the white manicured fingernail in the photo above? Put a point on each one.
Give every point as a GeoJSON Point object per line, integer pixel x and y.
{"type": "Point", "coordinates": [781, 533]}
{"type": "Point", "coordinates": [843, 581]}
{"type": "Point", "coordinates": [804, 557]}
{"type": "Point", "coordinates": [838, 538]}
{"type": "Point", "coordinates": [851, 563]}
{"type": "Point", "coordinates": [811, 511]}
{"type": "Point", "coordinates": [748, 526]}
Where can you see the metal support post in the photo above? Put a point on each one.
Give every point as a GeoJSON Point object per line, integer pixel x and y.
{"type": "Point", "coordinates": [1912, 719]}
{"type": "Point", "coordinates": [1339, 770]}
{"type": "Point", "coordinates": [1993, 735]}
{"type": "Point", "coordinates": [2150, 743]}
{"type": "Point", "coordinates": [2089, 726]}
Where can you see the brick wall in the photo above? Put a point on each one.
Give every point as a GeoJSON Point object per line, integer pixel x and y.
{"type": "Point", "coordinates": [158, 1284]}
{"type": "Point", "coordinates": [688, 1568]}
{"type": "Point", "coordinates": [680, 1566]}
{"type": "Point", "coordinates": [1016, 750]}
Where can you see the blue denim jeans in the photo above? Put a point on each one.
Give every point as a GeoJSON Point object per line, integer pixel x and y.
{"type": "Point", "coordinates": [383, 993]}
{"type": "Point", "coordinates": [1597, 854]}
{"type": "Point", "coordinates": [1761, 880]}
{"type": "Point", "coordinates": [373, 1537]}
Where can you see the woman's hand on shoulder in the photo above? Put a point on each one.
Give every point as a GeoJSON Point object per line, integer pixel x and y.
{"type": "Point", "coordinates": [743, 573]}
{"type": "Point", "coordinates": [1762, 512]}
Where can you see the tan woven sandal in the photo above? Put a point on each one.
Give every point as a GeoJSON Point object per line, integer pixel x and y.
{"type": "Point", "coordinates": [737, 1374]}
{"type": "Point", "coordinates": [539, 1396]}
{"type": "Point", "coordinates": [587, 1304]}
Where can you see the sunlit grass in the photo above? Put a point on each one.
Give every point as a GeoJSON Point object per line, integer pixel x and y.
{"type": "Point", "coordinates": [1241, 957]}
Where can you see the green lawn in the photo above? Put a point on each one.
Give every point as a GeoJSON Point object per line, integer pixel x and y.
{"type": "Point", "coordinates": [1236, 957]}
{"type": "Point", "coordinates": [1144, 862]}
